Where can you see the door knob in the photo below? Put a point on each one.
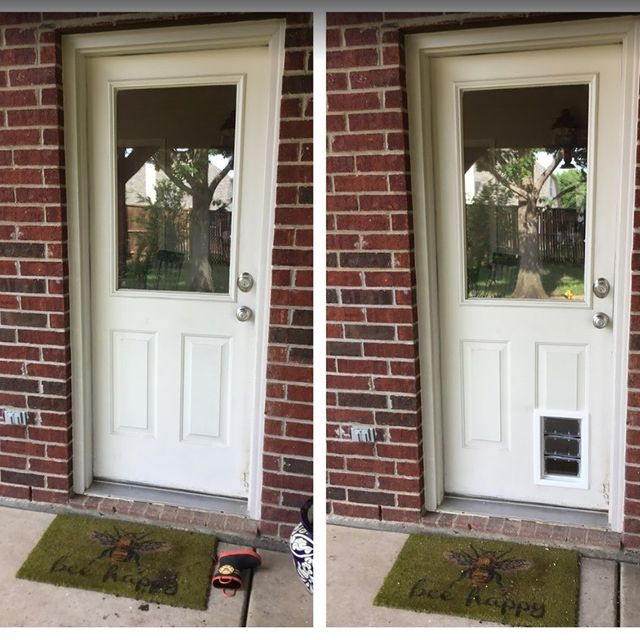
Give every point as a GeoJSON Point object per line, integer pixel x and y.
{"type": "Point", "coordinates": [245, 282]}
{"type": "Point", "coordinates": [601, 288]}
{"type": "Point", "coordinates": [243, 313]}
{"type": "Point", "coordinates": [600, 320]}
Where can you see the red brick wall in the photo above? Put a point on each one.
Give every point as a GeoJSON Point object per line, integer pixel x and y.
{"type": "Point", "coordinates": [372, 350]}
{"type": "Point", "coordinates": [35, 367]}
{"type": "Point", "coordinates": [631, 535]}
{"type": "Point", "coordinates": [288, 445]}
{"type": "Point", "coordinates": [373, 374]}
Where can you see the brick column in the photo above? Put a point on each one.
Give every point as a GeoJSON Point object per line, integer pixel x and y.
{"type": "Point", "coordinates": [373, 375]}
{"type": "Point", "coordinates": [288, 444]}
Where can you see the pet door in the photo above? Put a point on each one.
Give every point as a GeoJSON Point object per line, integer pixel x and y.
{"type": "Point", "coordinates": [561, 448]}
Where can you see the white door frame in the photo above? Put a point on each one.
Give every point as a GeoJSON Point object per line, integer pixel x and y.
{"type": "Point", "coordinates": [77, 49]}
{"type": "Point", "coordinates": [420, 49]}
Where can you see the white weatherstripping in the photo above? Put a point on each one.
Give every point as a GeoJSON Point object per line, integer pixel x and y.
{"type": "Point", "coordinates": [78, 50]}
{"type": "Point", "coordinates": [421, 49]}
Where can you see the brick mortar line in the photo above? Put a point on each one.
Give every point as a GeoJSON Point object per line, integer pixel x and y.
{"type": "Point", "coordinates": [37, 394]}
{"type": "Point", "coordinates": [288, 306]}
{"type": "Point", "coordinates": [262, 542]}
{"type": "Point", "coordinates": [362, 90]}
{"type": "Point", "coordinates": [35, 345]}
{"type": "Point", "coordinates": [394, 443]}
{"type": "Point", "coordinates": [370, 111]}
{"type": "Point", "coordinates": [378, 393]}
{"type": "Point", "coordinates": [366, 270]}
{"type": "Point", "coordinates": [371, 323]}
{"type": "Point", "coordinates": [297, 404]}
{"type": "Point", "coordinates": [403, 343]}
{"type": "Point", "coordinates": [358, 153]}
{"type": "Point", "coordinates": [371, 288]}
{"type": "Point", "coordinates": [404, 460]}
{"type": "Point", "coordinates": [28, 361]}
{"type": "Point", "coordinates": [28, 107]}
{"type": "Point", "coordinates": [373, 375]}
{"type": "Point", "coordinates": [356, 68]}
{"type": "Point", "coordinates": [44, 474]}
{"type": "Point", "coordinates": [381, 392]}
{"type": "Point", "coordinates": [371, 192]}
{"type": "Point", "coordinates": [389, 359]}
{"type": "Point", "coordinates": [24, 376]}
{"type": "Point", "coordinates": [375, 475]}
{"type": "Point", "coordinates": [363, 132]}
{"type": "Point", "coordinates": [627, 555]}
{"type": "Point", "coordinates": [39, 442]}
{"type": "Point", "coordinates": [28, 261]}
{"type": "Point", "coordinates": [302, 367]}
{"type": "Point", "coordinates": [48, 24]}
{"type": "Point", "coordinates": [373, 212]}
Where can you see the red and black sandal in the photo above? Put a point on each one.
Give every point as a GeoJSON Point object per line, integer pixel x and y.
{"type": "Point", "coordinates": [228, 576]}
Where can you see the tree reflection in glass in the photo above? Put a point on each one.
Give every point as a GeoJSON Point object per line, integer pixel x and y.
{"type": "Point", "coordinates": [175, 156]}
{"type": "Point", "coordinates": [525, 211]}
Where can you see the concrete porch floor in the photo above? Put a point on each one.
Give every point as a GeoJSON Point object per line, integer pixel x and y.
{"type": "Point", "coordinates": [358, 560]}
{"type": "Point", "coordinates": [273, 597]}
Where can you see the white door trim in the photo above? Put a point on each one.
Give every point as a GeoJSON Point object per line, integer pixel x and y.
{"type": "Point", "coordinates": [422, 47]}
{"type": "Point", "coordinates": [77, 49]}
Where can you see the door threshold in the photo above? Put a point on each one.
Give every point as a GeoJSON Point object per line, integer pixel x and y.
{"type": "Point", "coordinates": [171, 497]}
{"type": "Point", "coordinates": [525, 511]}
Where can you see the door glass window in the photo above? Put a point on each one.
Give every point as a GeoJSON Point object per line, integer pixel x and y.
{"type": "Point", "coordinates": [525, 192]}
{"type": "Point", "coordinates": [175, 177]}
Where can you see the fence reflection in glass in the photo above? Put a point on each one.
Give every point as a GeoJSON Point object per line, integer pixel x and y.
{"type": "Point", "coordinates": [525, 191]}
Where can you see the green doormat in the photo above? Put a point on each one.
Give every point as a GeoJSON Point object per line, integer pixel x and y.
{"type": "Point", "coordinates": [514, 584]}
{"type": "Point", "coordinates": [124, 559]}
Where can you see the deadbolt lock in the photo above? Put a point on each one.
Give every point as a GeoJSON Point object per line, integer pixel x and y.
{"type": "Point", "coordinates": [245, 282]}
{"type": "Point", "coordinates": [601, 288]}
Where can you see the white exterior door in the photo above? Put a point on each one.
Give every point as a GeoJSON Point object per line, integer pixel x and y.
{"type": "Point", "coordinates": [178, 212]}
{"type": "Point", "coordinates": [526, 174]}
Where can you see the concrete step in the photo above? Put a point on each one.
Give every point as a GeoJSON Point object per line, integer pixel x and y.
{"type": "Point", "coordinates": [37, 604]}
{"type": "Point", "coordinates": [629, 595]}
{"type": "Point", "coordinates": [278, 597]}
{"type": "Point", "coordinates": [598, 593]}
{"type": "Point", "coordinates": [357, 564]}
{"type": "Point", "coordinates": [353, 580]}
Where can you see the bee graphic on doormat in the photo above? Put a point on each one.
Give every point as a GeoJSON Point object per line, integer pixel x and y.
{"type": "Point", "coordinates": [485, 566]}
{"type": "Point", "coordinates": [126, 545]}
